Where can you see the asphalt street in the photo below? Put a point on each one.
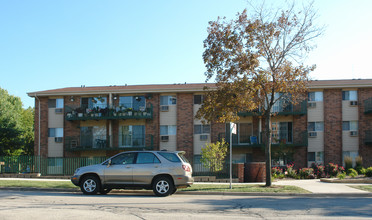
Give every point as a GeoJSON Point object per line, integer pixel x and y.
{"type": "Point", "coordinates": [70, 205]}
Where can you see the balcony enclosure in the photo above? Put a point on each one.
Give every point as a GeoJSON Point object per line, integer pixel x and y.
{"type": "Point", "coordinates": [282, 134]}
{"type": "Point", "coordinates": [282, 108]}
{"type": "Point", "coordinates": [96, 108]}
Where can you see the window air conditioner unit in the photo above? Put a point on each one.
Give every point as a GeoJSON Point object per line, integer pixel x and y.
{"type": "Point", "coordinates": [58, 110]}
{"type": "Point", "coordinates": [311, 104]}
{"type": "Point", "coordinates": [164, 108]}
{"type": "Point", "coordinates": [353, 103]}
{"type": "Point", "coordinates": [313, 134]}
{"type": "Point", "coordinates": [353, 133]}
{"type": "Point", "coordinates": [204, 137]}
{"type": "Point", "coordinates": [164, 138]}
{"type": "Point", "coordinates": [58, 139]}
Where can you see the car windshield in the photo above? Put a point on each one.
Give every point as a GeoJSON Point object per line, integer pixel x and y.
{"type": "Point", "coordinates": [170, 156]}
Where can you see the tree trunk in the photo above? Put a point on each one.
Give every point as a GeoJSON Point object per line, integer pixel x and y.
{"type": "Point", "coordinates": [268, 148]}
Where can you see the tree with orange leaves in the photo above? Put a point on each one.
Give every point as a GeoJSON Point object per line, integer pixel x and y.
{"type": "Point", "coordinates": [256, 61]}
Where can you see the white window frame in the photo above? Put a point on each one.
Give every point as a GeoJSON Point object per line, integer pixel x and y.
{"type": "Point", "coordinates": [169, 130]}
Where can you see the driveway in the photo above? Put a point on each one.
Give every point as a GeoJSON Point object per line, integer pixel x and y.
{"type": "Point", "coordinates": [316, 186]}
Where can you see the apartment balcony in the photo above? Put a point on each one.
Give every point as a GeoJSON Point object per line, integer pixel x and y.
{"type": "Point", "coordinates": [283, 137]}
{"type": "Point", "coordinates": [281, 109]}
{"type": "Point", "coordinates": [368, 106]}
{"type": "Point", "coordinates": [368, 137]}
{"type": "Point", "coordinates": [106, 112]}
{"type": "Point", "coordinates": [99, 142]}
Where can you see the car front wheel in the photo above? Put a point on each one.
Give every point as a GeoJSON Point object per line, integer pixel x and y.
{"type": "Point", "coordinates": [90, 185]}
{"type": "Point", "coordinates": [163, 186]}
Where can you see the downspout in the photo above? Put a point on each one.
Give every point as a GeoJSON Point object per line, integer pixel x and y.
{"type": "Point", "coordinates": [39, 134]}
{"type": "Point", "coordinates": [111, 138]}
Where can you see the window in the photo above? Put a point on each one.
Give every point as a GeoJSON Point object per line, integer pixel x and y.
{"type": "Point", "coordinates": [132, 136]}
{"type": "Point", "coordinates": [315, 126]}
{"type": "Point", "coordinates": [168, 100]}
{"type": "Point", "coordinates": [350, 125]}
{"type": "Point", "coordinates": [168, 129]}
{"type": "Point", "coordinates": [144, 158]}
{"type": "Point", "coordinates": [350, 95]}
{"type": "Point", "coordinates": [94, 102]}
{"type": "Point", "coordinates": [198, 99]}
{"type": "Point", "coordinates": [126, 158]}
{"type": "Point", "coordinates": [315, 96]}
{"type": "Point", "coordinates": [55, 132]}
{"type": "Point", "coordinates": [202, 129]}
{"type": "Point", "coordinates": [55, 103]}
{"type": "Point", "coordinates": [311, 156]}
{"type": "Point", "coordinates": [170, 156]}
{"type": "Point", "coordinates": [134, 102]}
{"type": "Point", "coordinates": [94, 136]}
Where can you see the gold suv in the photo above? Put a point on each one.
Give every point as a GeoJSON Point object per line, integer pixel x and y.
{"type": "Point", "coordinates": [161, 171]}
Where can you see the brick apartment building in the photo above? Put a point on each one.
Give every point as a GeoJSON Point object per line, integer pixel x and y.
{"type": "Point", "coordinates": [335, 121]}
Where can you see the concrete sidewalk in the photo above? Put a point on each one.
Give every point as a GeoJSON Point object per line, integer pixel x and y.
{"type": "Point", "coordinates": [318, 187]}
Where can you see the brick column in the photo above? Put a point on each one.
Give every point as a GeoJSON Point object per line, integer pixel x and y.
{"type": "Point", "coordinates": [365, 123]}
{"type": "Point", "coordinates": [71, 128]}
{"type": "Point", "coordinates": [152, 126]}
{"type": "Point", "coordinates": [43, 126]}
{"type": "Point", "coordinates": [217, 129]}
{"type": "Point", "coordinates": [300, 136]}
{"type": "Point", "coordinates": [185, 124]}
{"type": "Point", "coordinates": [332, 126]}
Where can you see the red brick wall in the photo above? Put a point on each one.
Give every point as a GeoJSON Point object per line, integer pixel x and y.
{"type": "Point", "coordinates": [238, 170]}
{"type": "Point", "coordinates": [300, 157]}
{"type": "Point", "coordinates": [152, 126]}
{"type": "Point", "coordinates": [332, 126]}
{"type": "Point", "coordinates": [71, 128]}
{"type": "Point", "coordinates": [217, 129]}
{"type": "Point", "coordinates": [365, 123]}
{"type": "Point", "coordinates": [43, 126]}
{"type": "Point", "coordinates": [185, 124]}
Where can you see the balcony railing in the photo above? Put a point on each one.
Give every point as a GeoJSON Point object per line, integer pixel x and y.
{"type": "Point", "coordinates": [104, 112]}
{"type": "Point", "coordinates": [281, 109]}
{"type": "Point", "coordinates": [283, 137]}
{"type": "Point", "coordinates": [368, 106]}
{"type": "Point", "coordinates": [368, 137]}
{"type": "Point", "coordinates": [99, 142]}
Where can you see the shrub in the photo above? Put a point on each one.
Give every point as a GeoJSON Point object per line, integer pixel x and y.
{"type": "Point", "coordinates": [332, 170]}
{"type": "Point", "coordinates": [361, 170]}
{"type": "Point", "coordinates": [277, 172]}
{"type": "Point", "coordinates": [351, 172]}
{"type": "Point", "coordinates": [318, 170]}
{"type": "Point", "coordinates": [306, 173]}
{"type": "Point", "coordinates": [341, 176]}
{"type": "Point", "coordinates": [348, 162]}
{"type": "Point", "coordinates": [290, 172]}
{"type": "Point", "coordinates": [358, 161]}
{"type": "Point", "coordinates": [369, 172]}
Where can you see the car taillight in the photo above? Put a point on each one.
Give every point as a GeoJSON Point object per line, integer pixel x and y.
{"type": "Point", "coordinates": [186, 168]}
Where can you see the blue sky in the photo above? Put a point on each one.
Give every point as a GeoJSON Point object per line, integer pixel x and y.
{"type": "Point", "coordinates": [55, 44]}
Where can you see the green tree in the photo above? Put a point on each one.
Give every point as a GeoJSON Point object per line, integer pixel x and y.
{"type": "Point", "coordinates": [213, 155]}
{"type": "Point", "coordinates": [16, 126]}
{"type": "Point", "coordinates": [256, 61]}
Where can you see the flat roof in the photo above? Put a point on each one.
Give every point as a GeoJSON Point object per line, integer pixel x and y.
{"type": "Point", "coordinates": [184, 87]}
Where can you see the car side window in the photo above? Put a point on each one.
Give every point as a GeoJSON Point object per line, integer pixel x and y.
{"type": "Point", "coordinates": [126, 158]}
{"type": "Point", "coordinates": [170, 156]}
{"type": "Point", "coordinates": [146, 158]}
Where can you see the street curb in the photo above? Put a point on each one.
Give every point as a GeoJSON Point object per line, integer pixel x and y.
{"type": "Point", "coordinates": [308, 195]}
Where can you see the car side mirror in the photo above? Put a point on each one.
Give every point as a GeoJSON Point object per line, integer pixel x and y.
{"type": "Point", "coordinates": [109, 164]}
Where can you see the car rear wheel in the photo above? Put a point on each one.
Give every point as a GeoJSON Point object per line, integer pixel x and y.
{"type": "Point", "coordinates": [163, 186]}
{"type": "Point", "coordinates": [90, 185]}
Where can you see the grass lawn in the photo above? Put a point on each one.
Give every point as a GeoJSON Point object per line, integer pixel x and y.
{"type": "Point", "coordinates": [37, 184]}
{"type": "Point", "coordinates": [256, 188]}
{"type": "Point", "coordinates": [365, 188]}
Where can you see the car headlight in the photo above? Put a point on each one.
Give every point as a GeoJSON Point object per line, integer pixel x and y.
{"type": "Point", "coordinates": [76, 171]}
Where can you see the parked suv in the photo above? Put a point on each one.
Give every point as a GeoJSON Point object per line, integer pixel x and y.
{"type": "Point", "coordinates": [161, 171]}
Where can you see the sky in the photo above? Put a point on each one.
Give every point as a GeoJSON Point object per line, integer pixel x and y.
{"type": "Point", "coordinates": [55, 44]}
